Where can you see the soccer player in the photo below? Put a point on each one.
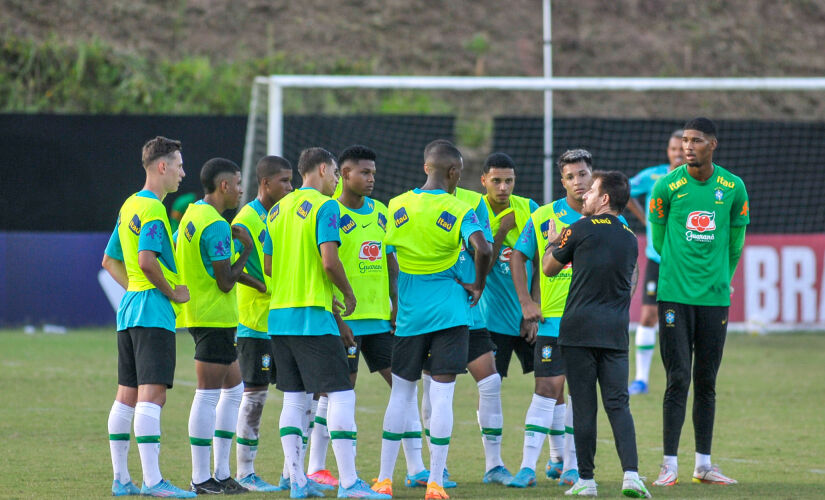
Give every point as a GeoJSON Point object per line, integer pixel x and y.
{"type": "Point", "coordinates": [698, 213]}
{"type": "Point", "coordinates": [545, 415]}
{"type": "Point", "coordinates": [301, 256]}
{"type": "Point", "coordinates": [642, 184]}
{"type": "Point", "coordinates": [372, 270]}
{"type": "Point", "coordinates": [593, 333]}
{"type": "Point", "coordinates": [204, 251]}
{"type": "Point", "coordinates": [141, 258]}
{"type": "Point", "coordinates": [255, 354]}
{"type": "Point", "coordinates": [426, 228]}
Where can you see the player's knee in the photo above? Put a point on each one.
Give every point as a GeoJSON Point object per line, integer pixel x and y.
{"type": "Point", "coordinates": [678, 380]}
{"type": "Point", "coordinates": [489, 386]}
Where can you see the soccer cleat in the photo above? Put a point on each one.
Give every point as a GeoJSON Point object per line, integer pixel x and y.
{"type": "Point", "coordinates": [230, 486]}
{"type": "Point", "coordinates": [667, 476]}
{"type": "Point", "coordinates": [417, 480]}
{"type": "Point", "coordinates": [124, 489]}
{"type": "Point", "coordinates": [209, 487]}
{"type": "Point", "coordinates": [323, 477]}
{"type": "Point", "coordinates": [254, 483]}
{"type": "Point", "coordinates": [320, 486]}
{"type": "Point", "coordinates": [361, 490]}
{"type": "Point", "coordinates": [711, 475]}
{"type": "Point", "coordinates": [498, 474]}
{"type": "Point", "coordinates": [569, 477]}
{"type": "Point", "coordinates": [635, 488]}
{"type": "Point", "coordinates": [165, 489]}
{"type": "Point", "coordinates": [525, 478]}
{"type": "Point", "coordinates": [445, 481]}
{"type": "Point", "coordinates": [284, 483]}
{"type": "Point", "coordinates": [638, 387]}
{"type": "Point", "coordinates": [385, 487]}
{"type": "Point", "coordinates": [583, 489]}
{"type": "Point", "coordinates": [553, 469]}
{"type": "Point", "coordinates": [435, 492]}
{"type": "Point", "coordinates": [309, 490]}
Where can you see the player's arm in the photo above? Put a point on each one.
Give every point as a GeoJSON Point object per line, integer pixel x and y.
{"type": "Point", "coordinates": [507, 223]}
{"type": "Point", "coordinates": [246, 278]}
{"type": "Point", "coordinates": [113, 260]}
{"type": "Point", "coordinates": [335, 272]}
{"type": "Point", "coordinates": [634, 279]}
{"type": "Point", "coordinates": [226, 274]}
{"type": "Point", "coordinates": [392, 269]}
{"type": "Point", "coordinates": [636, 209]}
{"type": "Point", "coordinates": [483, 257]}
{"type": "Point", "coordinates": [657, 213]}
{"type": "Point", "coordinates": [149, 265]}
{"type": "Point", "coordinates": [525, 250]}
{"type": "Point", "coordinates": [559, 251]}
{"type": "Point", "coordinates": [739, 219]}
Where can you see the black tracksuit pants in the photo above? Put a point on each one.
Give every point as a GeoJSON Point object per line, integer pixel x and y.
{"type": "Point", "coordinates": [584, 366]}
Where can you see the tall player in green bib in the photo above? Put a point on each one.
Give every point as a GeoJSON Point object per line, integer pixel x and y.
{"type": "Point", "coordinates": [140, 257]}
{"type": "Point", "coordinates": [698, 213]}
{"type": "Point", "coordinates": [208, 266]}
{"type": "Point", "coordinates": [255, 355]}
{"type": "Point", "coordinates": [301, 256]}
{"type": "Point", "coordinates": [426, 226]}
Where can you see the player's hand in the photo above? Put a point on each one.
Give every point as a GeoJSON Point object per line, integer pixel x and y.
{"type": "Point", "coordinates": [349, 305]}
{"type": "Point", "coordinates": [528, 330]}
{"type": "Point", "coordinates": [552, 234]}
{"type": "Point", "coordinates": [242, 235]}
{"type": "Point", "coordinates": [731, 291]}
{"type": "Point", "coordinates": [474, 290]}
{"type": "Point", "coordinates": [531, 312]}
{"type": "Point", "coordinates": [507, 223]}
{"type": "Point", "coordinates": [346, 335]}
{"type": "Point", "coordinates": [180, 294]}
{"type": "Point", "coordinates": [393, 315]}
{"type": "Point", "coordinates": [337, 306]}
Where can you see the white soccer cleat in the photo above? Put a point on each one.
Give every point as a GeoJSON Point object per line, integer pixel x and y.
{"type": "Point", "coordinates": [711, 475]}
{"type": "Point", "coordinates": [667, 476]}
{"type": "Point", "coordinates": [634, 488]}
{"type": "Point", "coordinates": [583, 488]}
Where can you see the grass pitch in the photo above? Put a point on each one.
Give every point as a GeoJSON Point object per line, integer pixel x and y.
{"type": "Point", "coordinates": [57, 391]}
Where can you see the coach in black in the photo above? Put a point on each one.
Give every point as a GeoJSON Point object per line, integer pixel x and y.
{"type": "Point", "coordinates": [593, 335]}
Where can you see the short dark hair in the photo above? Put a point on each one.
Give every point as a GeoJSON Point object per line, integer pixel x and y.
{"type": "Point", "coordinates": [498, 160]}
{"type": "Point", "coordinates": [702, 124]}
{"type": "Point", "coordinates": [616, 186]}
{"type": "Point", "coordinates": [312, 158]}
{"type": "Point", "coordinates": [575, 156]}
{"type": "Point", "coordinates": [214, 168]}
{"type": "Point", "coordinates": [356, 153]}
{"type": "Point", "coordinates": [442, 155]}
{"type": "Point", "coordinates": [158, 148]}
{"type": "Point", "coordinates": [432, 144]}
{"type": "Point", "coordinates": [271, 165]}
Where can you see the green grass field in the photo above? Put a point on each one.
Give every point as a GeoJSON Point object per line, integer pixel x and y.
{"type": "Point", "coordinates": [57, 391]}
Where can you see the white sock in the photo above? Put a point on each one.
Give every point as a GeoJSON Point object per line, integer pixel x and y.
{"type": "Point", "coordinates": [412, 436]}
{"type": "Point", "coordinates": [120, 427]}
{"type": "Point", "coordinates": [490, 419]}
{"type": "Point", "coordinates": [426, 408]}
{"type": "Point", "coordinates": [702, 462]}
{"type": "Point", "coordinates": [320, 438]}
{"type": "Point", "coordinates": [645, 342]}
{"type": "Point", "coordinates": [308, 423]}
{"type": "Point", "coordinates": [571, 460]}
{"type": "Point", "coordinates": [201, 430]}
{"type": "Point", "coordinates": [147, 435]}
{"type": "Point", "coordinates": [631, 474]}
{"type": "Point", "coordinates": [557, 433]}
{"type": "Point", "coordinates": [402, 392]}
{"type": "Point", "coordinates": [291, 426]}
{"type": "Point", "coordinates": [441, 427]}
{"type": "Point", "coordinates": [226, 421]}
{"type": "Point", "coordinates": [341, 417]}
{"type": "Point", "coordinates": [671, 461]}
{"type": "Point", "coordinates": [249, 425]}
{"type": "Point", "coordinates": [536, 427]}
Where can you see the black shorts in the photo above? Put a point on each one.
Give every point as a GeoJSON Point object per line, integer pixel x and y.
{"type": "Point", "coordinates": [377, 349]}
{"type": "Point", "coordinates": [215, 345]}
{"type": "Point", "coordinates": [310, 363]}
{"type": "Point", "coordinates": [506, 345]}
{"type": "Point", "coordinates": [447, 351]}
{"type": "Point", "coordinates": [480, 344]}
{"type": "Point", "coordinates": [651, 284]}
{"type": "Point", "coordinates": [145, 356]}
{"type": "Point", "coordinates": [547, 359]}
{"type": "Point", "coordinates": [256, 361]}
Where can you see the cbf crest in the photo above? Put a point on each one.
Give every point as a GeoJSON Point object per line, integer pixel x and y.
{"type": "Point", "coordinates": [670, 317]}
{"type": "Point", "coordinates": [266, 362]}
{"type": "Point", "coordinates": [718, 194]}
{"type": "Point", "coordinates": [546, 353]}
{"type": "Point", "coordinates": [352, 351]}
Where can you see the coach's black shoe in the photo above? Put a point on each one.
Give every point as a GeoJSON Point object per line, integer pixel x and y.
{"type": "Point", "coordinates": [230, 486]}
{"type": "Point", "coordinates": [209, 487]}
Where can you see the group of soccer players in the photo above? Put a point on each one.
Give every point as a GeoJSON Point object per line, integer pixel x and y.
{"type": "Point", "coordinates": [302, 282]}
